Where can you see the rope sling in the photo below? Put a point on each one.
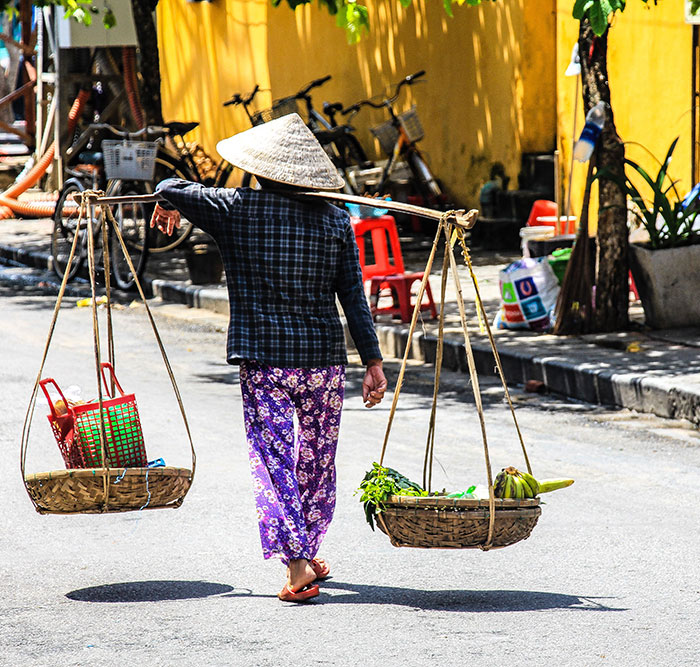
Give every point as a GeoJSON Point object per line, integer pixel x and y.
{"type": "Point", "coordinates": [105, 489]}
{"type": "Point", "coordinates": [440, 522]}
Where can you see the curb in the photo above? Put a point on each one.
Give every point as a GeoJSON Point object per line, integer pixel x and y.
{"type": "Point", "coordinates": [586, 381]}
{"type": "Point", "coordinates": [35, 260]}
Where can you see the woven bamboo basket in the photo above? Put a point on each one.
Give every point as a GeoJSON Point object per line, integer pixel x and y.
{"type": "Point", "coordinates": [438, 522]}
{"type": "Point", "coordinates": [111, 435]}
{"type": "Point", "coordinates": [456, 523]}
{"type": "Point", "coordinates": [82, 490]}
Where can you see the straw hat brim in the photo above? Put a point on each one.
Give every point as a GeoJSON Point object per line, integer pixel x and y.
{"type": "Point", "coordinates": [282, 150]}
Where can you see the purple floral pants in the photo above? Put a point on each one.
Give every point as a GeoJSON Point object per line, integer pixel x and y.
{"type": "Point", "coordinates": [293, 477]}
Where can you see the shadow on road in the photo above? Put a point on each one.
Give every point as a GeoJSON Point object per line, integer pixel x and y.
{"type": "Point", "coordinates": [455, 600]}
{"type": "Point", "coordinates": [149, 591]}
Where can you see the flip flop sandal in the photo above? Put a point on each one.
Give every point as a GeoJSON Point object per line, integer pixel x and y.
{"type": "Point", "coordinates": [306, 593]}
{"type": "Point", "coordinates": [321, 569]}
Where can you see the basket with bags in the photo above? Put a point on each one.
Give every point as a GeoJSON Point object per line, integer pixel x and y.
{"type": "Point", "coordinates": [101, 441]}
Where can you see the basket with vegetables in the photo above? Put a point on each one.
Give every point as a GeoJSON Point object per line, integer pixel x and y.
{"type": "Point", "coordinates": [411, 516]}
{"type": "Point", "coordinates": [497, 515]}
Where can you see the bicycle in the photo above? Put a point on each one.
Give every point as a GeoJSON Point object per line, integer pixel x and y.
{"type": "Point", "coordinates": [341, 145]}
{"type": "Point", "coordinates": [398, 138]}
{"type": "Point", "coordinates": [176, 160]}
{"type": "Point", "coordinates": [97, 169]}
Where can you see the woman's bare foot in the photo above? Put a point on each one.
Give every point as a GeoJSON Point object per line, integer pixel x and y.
{"type": "Point", "coordinates": [300, 574]}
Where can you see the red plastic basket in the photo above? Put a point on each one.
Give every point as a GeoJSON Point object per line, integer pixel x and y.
{"type": "Point", "coordinates": [77, 432]}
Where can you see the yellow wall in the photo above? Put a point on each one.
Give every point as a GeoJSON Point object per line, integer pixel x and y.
{"type": "Point", "coordinates": [489, 94]}
{"type": "Point", "coordinates": [650, 70]}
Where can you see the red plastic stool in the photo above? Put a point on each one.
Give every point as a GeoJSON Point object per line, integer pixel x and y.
{"type": "Point", "coordinates": [387, 273]}
{"type": "Point", "coordinates": [400, 289]}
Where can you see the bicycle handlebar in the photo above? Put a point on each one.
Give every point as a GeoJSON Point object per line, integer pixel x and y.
{"type": "Point", "coordinates": [303, 94]}
{"type": "Point", "coordinates": [92, 129]}
{"type": "Point", "coordinates": [245, 101]}
{"type": "Point", "coordinates": [387, 101]}
{"type": "Point", "coordinates": [314, 84]}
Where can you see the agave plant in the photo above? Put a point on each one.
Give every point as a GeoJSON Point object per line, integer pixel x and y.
{"type": "Point", "coordinates": [667, 217]}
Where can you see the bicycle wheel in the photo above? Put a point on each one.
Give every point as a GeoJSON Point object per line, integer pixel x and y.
{"type": "Point", "coordinates": [65, 222]}
{"type": "Point", "coordinates": [133, 222]}
{"type": "Point", "coordinates": [166, 167]}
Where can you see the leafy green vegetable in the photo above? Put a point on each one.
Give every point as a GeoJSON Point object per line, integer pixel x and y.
{"type": "Point", "coordinates": [380, 483]}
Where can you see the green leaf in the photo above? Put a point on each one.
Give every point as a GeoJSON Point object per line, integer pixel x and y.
{"type": "Point", "coordinates": [447, 4]}
{"type": "Point", "coordinates": [581, 7]}
{"type": "Point", "coordinates": [598, 18]}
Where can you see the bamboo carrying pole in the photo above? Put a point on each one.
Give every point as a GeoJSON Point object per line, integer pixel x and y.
{"type": "Point", "coordinates": [460, 217]}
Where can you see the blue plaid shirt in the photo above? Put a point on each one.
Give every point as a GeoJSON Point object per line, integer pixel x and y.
{"type": "Point", "coordinates": [285, 261]}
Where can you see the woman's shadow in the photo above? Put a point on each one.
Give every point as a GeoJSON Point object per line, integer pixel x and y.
{"type": "Point", "coordinates": [337, 592]}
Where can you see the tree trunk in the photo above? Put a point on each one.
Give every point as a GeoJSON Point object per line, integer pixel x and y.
{"type": "Point", "coordinates": [611, 279]}
{"type": "Point", "coordinates": [149, 65]}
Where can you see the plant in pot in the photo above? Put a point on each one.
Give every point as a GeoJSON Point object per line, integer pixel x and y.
{"type": "Point", "coordinates": [203, 259]}
{"type": "Point", "coordinates": [666, 268]}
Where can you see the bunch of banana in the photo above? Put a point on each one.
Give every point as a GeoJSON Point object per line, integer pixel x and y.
{"type": "Point", "coordinates": [513, 483]}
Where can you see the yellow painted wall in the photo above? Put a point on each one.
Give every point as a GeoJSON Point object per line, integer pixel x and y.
{"type": "Point", "coordinates": [650, 70]}
{"type": "Point", "coordinates": [208, 52]}
{"type": "Point", "coordinates": [490, 91]}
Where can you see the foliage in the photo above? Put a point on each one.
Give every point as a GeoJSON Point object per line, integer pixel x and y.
{"type": "Point", "coordinates": [354, 17]}
{"type": "Point", "coordinates": [81, 11]}
{"type": "Point", "coordinates": [667, 218]}
{"type": "Point", "coordinates": [380, 483]}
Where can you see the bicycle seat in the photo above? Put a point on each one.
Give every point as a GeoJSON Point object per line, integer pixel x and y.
{"type": "Point", "coordinates": [331, 108]}
{"type": "Point", "coordinates": [180, 128]}
{"type": "Point", "coordinates": [91, 157]}
{"type": "Point", "coordinates": [329, 136]}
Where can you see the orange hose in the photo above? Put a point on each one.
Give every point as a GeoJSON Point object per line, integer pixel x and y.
{"type": "Point", "coordinates": [29, 209]}
{"type": "Point", "coordinates": [35, 209]}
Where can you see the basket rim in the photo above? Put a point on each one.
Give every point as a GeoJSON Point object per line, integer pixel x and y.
{"type": "Point", "coordinates": [460, 503]}
{"type": "Point", "coordinates": [166, 471]}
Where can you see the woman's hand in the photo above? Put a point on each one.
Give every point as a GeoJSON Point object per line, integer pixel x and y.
{"type": "Point", "coordinates": [374, 384]}
{"type": "Point", "coordinates": [165, 220]}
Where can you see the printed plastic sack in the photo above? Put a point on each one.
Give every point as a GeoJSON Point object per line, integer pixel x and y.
{"type": "Point", "coordinates": [529, 290]}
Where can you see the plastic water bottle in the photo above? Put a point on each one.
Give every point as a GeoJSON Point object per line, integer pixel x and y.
{"type": "Point", "coordinates": [595, 119]}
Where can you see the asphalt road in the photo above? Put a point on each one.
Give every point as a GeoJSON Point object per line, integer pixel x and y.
{"type": "Point", "coordinates": [609, 576]}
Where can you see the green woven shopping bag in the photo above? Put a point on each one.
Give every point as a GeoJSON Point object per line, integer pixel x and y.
{"type": "Point", "coordinates": [124, 445]}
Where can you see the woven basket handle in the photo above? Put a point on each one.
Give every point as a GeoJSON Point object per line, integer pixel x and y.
{"type": "Point", "coordinates": [50, 381]}
{"type": "Point", "coordinates": [105, 365]}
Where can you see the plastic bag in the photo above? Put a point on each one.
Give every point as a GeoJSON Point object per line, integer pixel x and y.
{"type": "Point", "coordinates": [529, 291]}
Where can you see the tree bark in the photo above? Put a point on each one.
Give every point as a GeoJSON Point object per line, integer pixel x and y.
{"type": "Point", "coordinates": [611, 275]}
{"type": "Point", "coordinates": [149, 65]}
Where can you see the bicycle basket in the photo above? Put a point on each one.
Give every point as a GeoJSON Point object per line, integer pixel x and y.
{"type": "Point", "coordinates": [411, 124]}
{"type": "Point", "coordinates": [129, 160]}
{"type": "Point", "coordinates": [277, 110]}
{"type": "Point", "coordinates": [387, 135]}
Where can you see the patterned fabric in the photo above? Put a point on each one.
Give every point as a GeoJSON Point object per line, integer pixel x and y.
{"type": "Point", "coordinates": [293, 478]}
{"type": "Point", "coordinates": [285, 261]}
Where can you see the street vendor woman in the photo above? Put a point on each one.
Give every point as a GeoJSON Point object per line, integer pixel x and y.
{"type": "Point", "coordinates": [286, 259]}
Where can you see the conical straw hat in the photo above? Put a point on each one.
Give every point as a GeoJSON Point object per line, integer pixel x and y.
{"type": "Point", "coordinates": [282, 150]}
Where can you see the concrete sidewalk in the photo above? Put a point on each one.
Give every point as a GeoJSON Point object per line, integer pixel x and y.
{"type": "Point", "coordinates": [640, 369]}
